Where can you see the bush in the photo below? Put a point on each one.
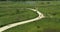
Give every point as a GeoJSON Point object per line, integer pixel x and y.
{"type": "Point", "coordinates": [48, 2]}
{"type": "Point", "coordinates": [17, 11]}
{"type": "Point", "coordinates": [38, 26]}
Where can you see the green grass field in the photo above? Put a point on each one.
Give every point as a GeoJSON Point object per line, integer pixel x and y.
{"type": "Point", "coordinates": [13, 15]}
{"type": "Point", "coordinates": [51, 22]}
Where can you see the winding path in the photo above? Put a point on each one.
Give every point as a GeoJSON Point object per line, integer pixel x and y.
{"type": "Point", "coordinates": [23, 22]}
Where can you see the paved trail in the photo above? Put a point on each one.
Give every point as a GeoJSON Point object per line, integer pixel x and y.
{"type": "Point", "coordinates": [23, 22]}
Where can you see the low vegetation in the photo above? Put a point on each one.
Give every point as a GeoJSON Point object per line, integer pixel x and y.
{"type": "Point", "coordinates": [51, 11]}
{"type": "Point", "coordinates": [12, 15]}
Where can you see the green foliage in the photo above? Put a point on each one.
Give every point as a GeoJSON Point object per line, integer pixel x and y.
{"type": "Point", "coordinates": [17, 11]}
{"type": "Point", "coordinates": [11, 15]}
{"type": "Point", "coordinates": [29, 0]}
{"type": "Point", "coordinates": [51, 12]}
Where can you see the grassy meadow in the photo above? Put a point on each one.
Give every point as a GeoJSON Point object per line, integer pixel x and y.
{"type": "Point", "coordinates": [50, 9]}
{"type": "Point", "coordinates": [13, 15]}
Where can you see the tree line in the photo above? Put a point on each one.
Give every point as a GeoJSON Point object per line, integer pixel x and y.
{"type": "Point", "coordinates": [28, 0]}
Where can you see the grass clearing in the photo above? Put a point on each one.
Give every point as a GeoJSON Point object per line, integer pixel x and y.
{"type": "Point", "coordinates": [50, 23]}
{"type": "Point", "coordinates": [10, 15]}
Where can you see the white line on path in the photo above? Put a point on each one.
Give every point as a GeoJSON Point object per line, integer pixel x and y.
{"type": "Point", "coordinates": [23, 22]}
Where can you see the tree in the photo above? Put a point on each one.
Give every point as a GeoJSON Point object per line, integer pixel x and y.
{"type": "Point", "coordinates": [2, 0]}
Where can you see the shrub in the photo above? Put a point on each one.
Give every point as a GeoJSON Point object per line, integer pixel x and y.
{"type": "Point", "coordinates": [48, 2]}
